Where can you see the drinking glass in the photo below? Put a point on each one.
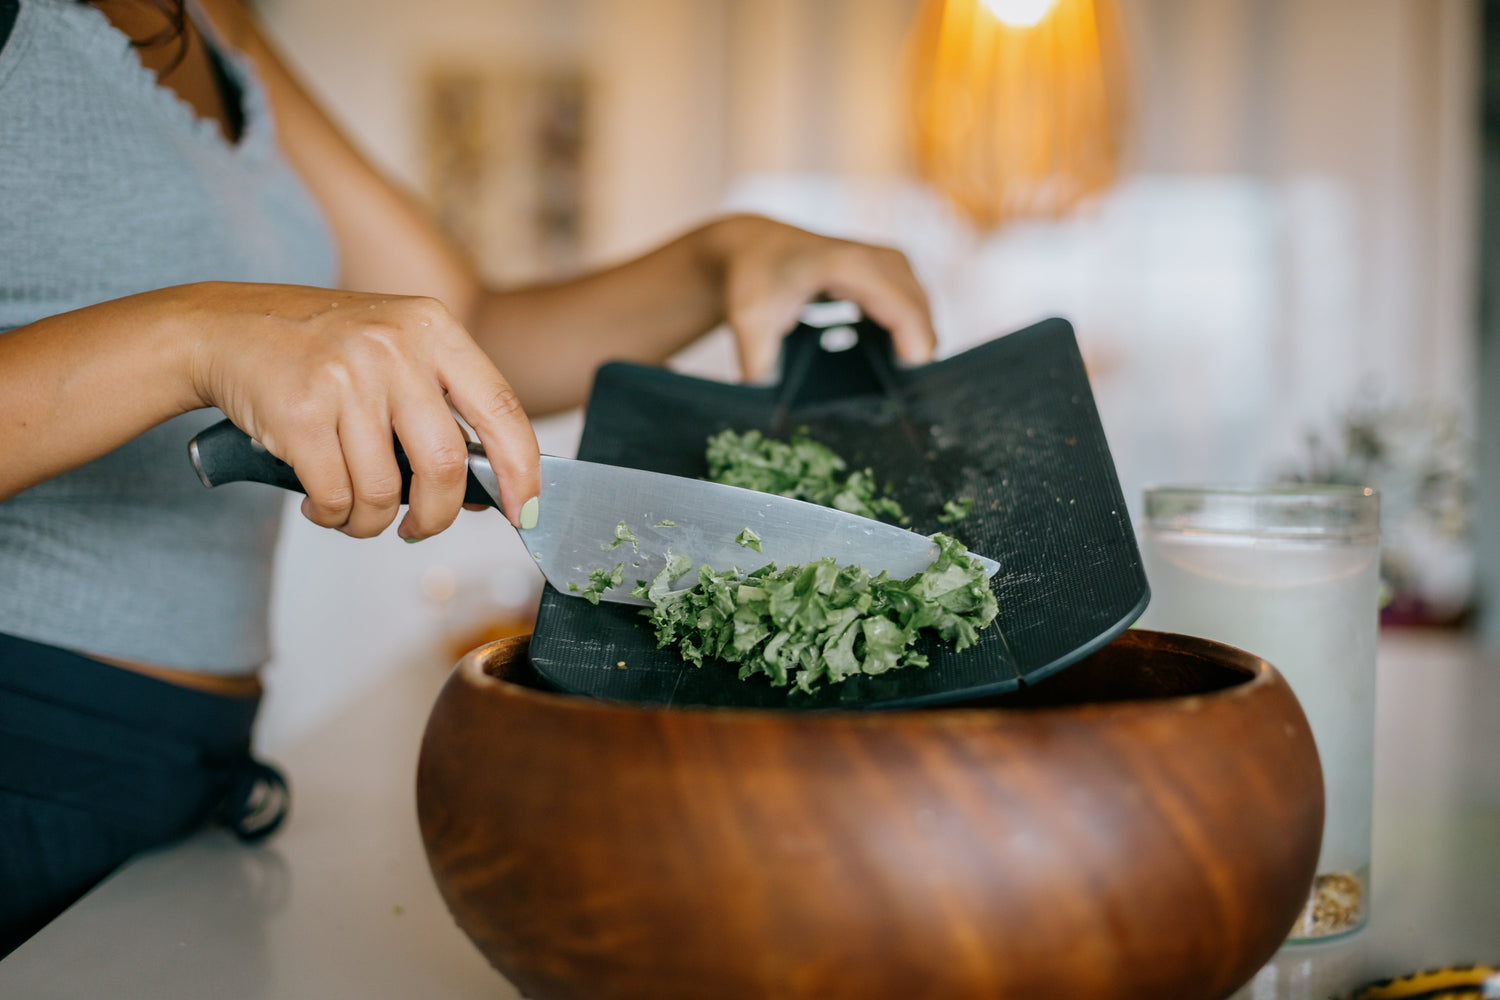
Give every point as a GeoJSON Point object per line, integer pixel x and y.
{"type": "Point", "coordinates": [1291, 574]}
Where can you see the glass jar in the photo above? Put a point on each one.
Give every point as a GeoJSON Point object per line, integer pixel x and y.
{"type": "Point", "coordinates": [1291, 574]}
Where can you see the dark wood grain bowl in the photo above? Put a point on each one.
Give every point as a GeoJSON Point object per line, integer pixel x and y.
{"type": "Point", "coordinates": [1144, 824]}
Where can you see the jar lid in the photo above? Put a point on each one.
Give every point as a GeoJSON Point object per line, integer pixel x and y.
{"type": "Point", "coordinates": [1283, 510]}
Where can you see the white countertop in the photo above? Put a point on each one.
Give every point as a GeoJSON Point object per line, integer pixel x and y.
{"type": "Point", "coordinates": [341, 903]}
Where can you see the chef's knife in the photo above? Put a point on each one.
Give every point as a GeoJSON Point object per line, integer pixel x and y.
{"type": "Point", "coordinates": [594, 517]}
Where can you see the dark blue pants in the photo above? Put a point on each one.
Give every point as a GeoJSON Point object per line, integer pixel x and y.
{"type": "Point", "coordinates": [99, 763]}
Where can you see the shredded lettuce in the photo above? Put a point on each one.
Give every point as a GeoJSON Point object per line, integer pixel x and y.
{"type": "Point", "coordinates": [955, 510]}
{"type": "Point", "coordinates": [622, 534]}
{"type": "Point", "coordinates": [815, 623]}
{"type": "Point", "coordinates": [800, 468]}
{"type": "Point", "coordinates": [600, 580]}
{"type": "Point", "coordinates": [748, 539]}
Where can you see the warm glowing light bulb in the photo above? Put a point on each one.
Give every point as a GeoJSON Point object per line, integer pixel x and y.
{"type": "Point", "coordinates": [1019, 13]}
{"type": "Point", "coordinates": [1019, 107]}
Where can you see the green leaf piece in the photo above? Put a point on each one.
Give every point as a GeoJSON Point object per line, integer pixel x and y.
{"type": "Point", "coordinates": [956, 510]}
{"type": "Point", "coordinates": [600, 580]}
{"type": "Point", "coordinates": [622, 534]}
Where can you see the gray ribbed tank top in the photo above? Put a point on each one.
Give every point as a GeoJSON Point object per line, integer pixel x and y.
{"type": "Point", "coordinates": [110, 185]}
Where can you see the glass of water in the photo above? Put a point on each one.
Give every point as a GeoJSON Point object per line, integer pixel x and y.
{"type": "Point", "coordinates": [1291, 574]}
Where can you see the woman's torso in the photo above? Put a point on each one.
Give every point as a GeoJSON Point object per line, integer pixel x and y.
{"type": "Point", "coordinates": [114, 185]}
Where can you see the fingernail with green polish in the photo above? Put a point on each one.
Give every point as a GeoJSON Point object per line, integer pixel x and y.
{"type": "Point", "coordinates": [529, 513]}
{"type": "Point", "coordinates": [411, 541]}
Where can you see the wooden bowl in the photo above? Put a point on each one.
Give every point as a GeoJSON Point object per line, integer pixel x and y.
{"type": "Point", "coordinates": [1143, 824]}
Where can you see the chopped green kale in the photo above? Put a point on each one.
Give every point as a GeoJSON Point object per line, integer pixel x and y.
{"type": "Point", "coordinates": [802, 469]}
{"type": "Point", "coordinates": [817, 622]}
{"type": "Point", "coordinates": [660, 589]}
{"type": "Point", "coordinates": [665, 524]}
{"type": "Point", "coordinates": [622, 534]}
{"type": "Point", "coordinates": [955, 510]}
{"type": "Point", "coordinates": [600, 580]}
{"type": "Point", "coordinates": [748, 539]}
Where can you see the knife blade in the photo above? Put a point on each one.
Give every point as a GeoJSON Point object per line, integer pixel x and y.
{"type": "Point", "coordinates": [582, 504]}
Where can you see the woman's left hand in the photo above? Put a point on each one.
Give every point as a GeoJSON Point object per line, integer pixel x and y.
{"type": "Point", "coordinates": [771, 270]}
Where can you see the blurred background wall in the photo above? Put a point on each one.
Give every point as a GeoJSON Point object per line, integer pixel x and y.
{"type": "Point", "coordinates": [1288, 256]}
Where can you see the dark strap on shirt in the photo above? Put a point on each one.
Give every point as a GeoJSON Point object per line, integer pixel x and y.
{"type": "Point", "coordinates": [229, 91]}
{"type": "Point", "coordinates": [8, 11]}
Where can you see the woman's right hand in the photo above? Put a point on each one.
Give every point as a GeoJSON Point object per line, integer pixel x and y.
{"type": "Point", "coordinates": [323, 379]}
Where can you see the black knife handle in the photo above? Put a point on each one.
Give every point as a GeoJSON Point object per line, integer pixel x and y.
{"type": "Point", "coordinates": [225, 454]}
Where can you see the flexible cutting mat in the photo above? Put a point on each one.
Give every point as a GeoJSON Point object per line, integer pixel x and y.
{"type": "Point", "coordinates": [1011, 424]}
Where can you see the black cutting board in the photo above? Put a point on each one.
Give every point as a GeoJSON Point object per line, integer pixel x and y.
{"type": "Point", "coordinates": [1011, 424]}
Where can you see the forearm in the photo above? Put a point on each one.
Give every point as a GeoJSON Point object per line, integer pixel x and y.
{"type": "Point", "coordinates": [322, 378]}
{"type": "Point", "coordinates": [751, 272]}
{"type": "Point", "coordinates": [549, 339]}
{"type": "Point", "coordinates": [79, 384]}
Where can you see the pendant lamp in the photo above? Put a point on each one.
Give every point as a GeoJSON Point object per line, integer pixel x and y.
{"type": "Point", "coordinates": [1019, 106]}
